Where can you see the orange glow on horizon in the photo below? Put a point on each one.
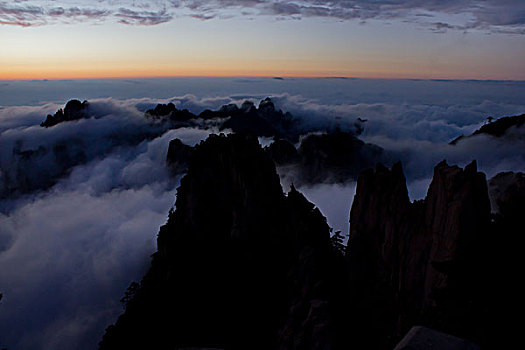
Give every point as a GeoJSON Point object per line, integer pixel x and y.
{"type": "Point", "coordinates": [225, 73]}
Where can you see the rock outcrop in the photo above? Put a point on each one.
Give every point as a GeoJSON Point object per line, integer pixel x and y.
{"type": "Point", "coordinates": [507, 194]}
{"type": "Point", "coordinates": [262, 121]}
{"type": "Point", "coordinates": [501, 125]}
{"type": "Point", "coordinates": [169, 113]}
{"type": "Point", "coordinates": [498, 128]}
{"type": "Point", "coordinates": [422, 338]}
{"type": "Point", "coordinates": [242, 265]}
{"type": "Point", "coordinates": [178, 156]}
{"type": "Point", "coordinates": [73, 110]}
{"type": "Point", "coordinates": [282, 152]}
{"type": "Point", "coordinates": [239, 264]}
{"type": "Point", "coordinates": [336, 157]}
{"type": "Point", "coordinates": [422, 262]}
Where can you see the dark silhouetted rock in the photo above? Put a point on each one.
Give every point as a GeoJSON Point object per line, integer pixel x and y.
{"type": "Point", "coordinates": [239, 264]}
{"type": "Point", "coordinates": [169, 113]}
{"type": "Point", "coordinates": [282, 152]}
{"type": "Point", "coordinates": [335, 157]}
{"type": "Point", "coordinates": [507, 192]}
{"type": "Point", "coordinates": [422, 338]}
{"type": "Point", "coordinates": [178, 156]}
{"type": "Point", "coordinates": [73, 110]}
{"type": "Point", "coordinates": [262, 121]}
{"type": "Point", "coordinates": [422, 262]}
{"type": "Point", "coordinates": [497, 128]}
{"type": "Point", "coordinates": [223, 112]}
{"type": "Point", "coordinates": [40, 168]}
{"type": "Point", "coordinates": [501, 125]}
{"type": "Point", "coordinates": [506, 258]}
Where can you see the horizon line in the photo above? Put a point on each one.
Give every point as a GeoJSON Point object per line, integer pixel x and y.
{"type": "Point", "coordinates": [275, 77]}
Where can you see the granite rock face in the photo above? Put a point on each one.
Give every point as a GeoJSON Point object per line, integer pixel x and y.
{"type": "Point", "coordinates": [239, 264]}
{"type": "Point", "coordinates": [418, 262]}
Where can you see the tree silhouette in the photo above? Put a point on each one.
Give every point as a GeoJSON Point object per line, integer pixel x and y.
{"type": "Point", "coordinates": [130, 293]}
{"type": "Point", "coordinates": [337, 241]}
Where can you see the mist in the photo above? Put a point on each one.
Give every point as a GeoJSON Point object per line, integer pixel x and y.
{"type": "Point", "coordinates": [74, 234]}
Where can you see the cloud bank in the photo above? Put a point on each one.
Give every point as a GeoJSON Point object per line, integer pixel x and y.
{"type": "Point", "coordinates": [68, 251]}
{"type": "Point", "coordinates": [502, 16]}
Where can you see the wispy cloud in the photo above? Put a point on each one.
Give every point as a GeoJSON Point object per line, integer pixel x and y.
{"type": "Point", "coordinates": [501, 16]}
{"type": "Point", "coordinates": [127, 16]}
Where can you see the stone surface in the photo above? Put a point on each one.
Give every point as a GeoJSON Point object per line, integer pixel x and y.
{"type": "Point", "coordinates": [178, 156]}
{"type": "Point", "coordinates": [239, 264]}
{"type": "Point", "coordinates": [418, 262]}
{"type": "Point", "coordinates": [422, 338]}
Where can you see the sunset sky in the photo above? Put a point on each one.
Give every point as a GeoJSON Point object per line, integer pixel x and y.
{"type": "Point", "coordinates": [463, 39]}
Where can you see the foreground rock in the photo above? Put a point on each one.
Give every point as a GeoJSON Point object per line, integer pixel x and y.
{"type": "Point", "coordinates": [239, 264]}
{"type": "Point", "coordinates": [442, 262]}
{"type": "Point", "coordinates": [422, 338]}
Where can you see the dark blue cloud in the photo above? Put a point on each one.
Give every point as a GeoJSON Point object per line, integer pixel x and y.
{"type": "Point", "coordinates": [502, 16]}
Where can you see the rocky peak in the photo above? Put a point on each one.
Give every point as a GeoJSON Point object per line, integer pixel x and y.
{"type": "Point", "coordinates": [178, 156]}
{"type": "Point", "coordinates": [417, 262]}
{"type": "Point", "coordinates": [507, 192]}
{"type": "Point", "coordinates": [229, 109]}
{"type": "Point", "coordinates": [162, 110]}
{"type": "Point", "coordinates": [336, 157]}
{"type": "Point", "coordinates": [247, 107]}
{"type": "Point", "coordinates": [497, 128]}
{"type": "Point", "coordinates": [169, 113]}
{"type": "Point", "coordinates": [266, 106]}
{"type": "Point", "coordinates": [73, 110]}
{"type": "Point", "coordinates": [282, 152]}
{"type": "Point", "coordinates": [239, 264]}
{"type": "Point", "coordinates": [501, 125]}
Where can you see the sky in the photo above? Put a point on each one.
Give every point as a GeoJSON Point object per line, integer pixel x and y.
{"type": "Point", "coordinates": [63, 273]}
{"type": "Point", "coordinates": [450, 39]}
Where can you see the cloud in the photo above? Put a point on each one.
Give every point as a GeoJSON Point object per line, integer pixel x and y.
{"type": "Point", "coordinates": [507, 16]}
{"type": "Point", "coordinates": [147, 18]}
{"type": "Point", "coordinates": [34, 158]}
{"type": "Point", "coordinates": [72, 255]}
{"type": "Point", "coordinates": [68, 252]}
{"type": "Point", "coordinates": [36, 13]}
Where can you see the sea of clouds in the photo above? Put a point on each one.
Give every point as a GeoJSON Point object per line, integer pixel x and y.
{"type": "Point", "coordinates": [69, 248]}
